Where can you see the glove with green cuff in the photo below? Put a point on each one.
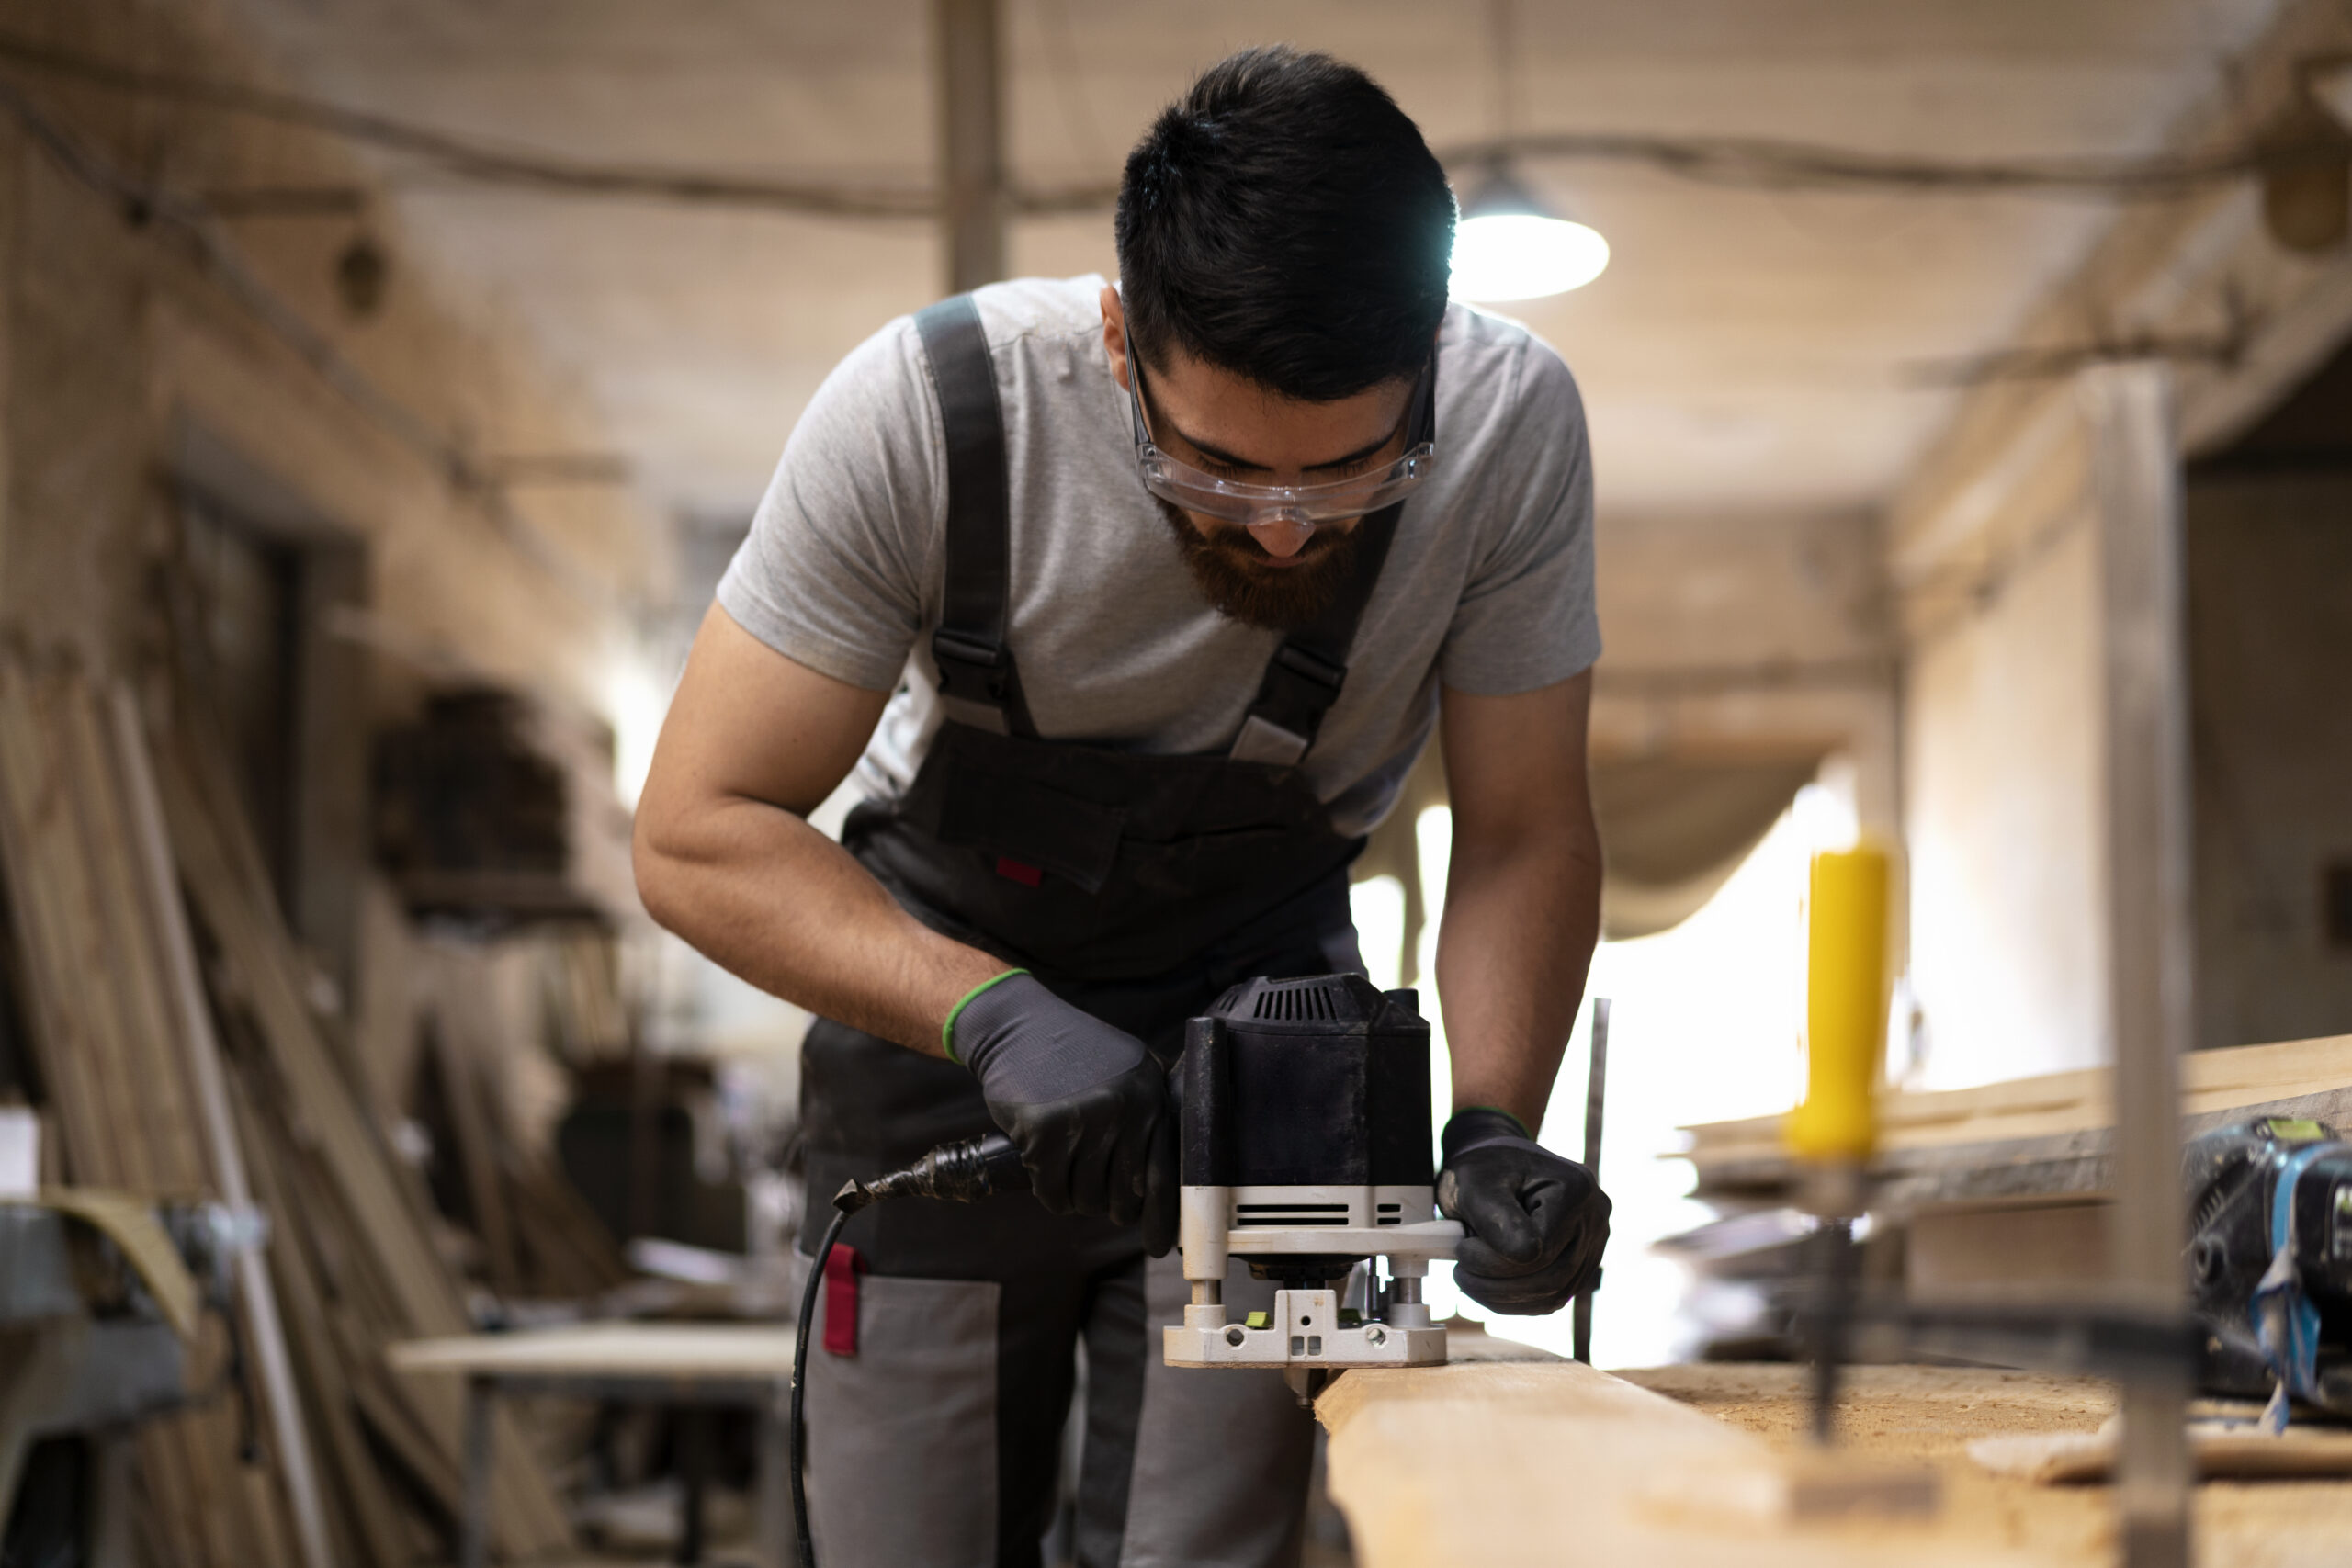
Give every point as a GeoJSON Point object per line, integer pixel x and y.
{"type": "Point", "coordinates": [1537, 1224]}
{"type": "Point", "coordinates": [1087, 1104]}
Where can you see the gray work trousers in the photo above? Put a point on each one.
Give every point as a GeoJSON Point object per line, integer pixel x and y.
{"type": "Point", "coordinates": [909, 1447]}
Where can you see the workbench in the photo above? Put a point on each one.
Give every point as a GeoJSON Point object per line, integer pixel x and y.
{"type": "Point", "coordinates": [653, 1363]}
{"type": "Point", "coordinates": [67, 1366]}
{"type": "Point", "coordinates": [1553, 1464]}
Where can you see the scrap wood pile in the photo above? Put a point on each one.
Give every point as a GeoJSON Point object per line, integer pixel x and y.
{"type": "Point", "coordinates": [2044, 1118]}
{"type": "Point", "coordinates": [505, 1171]}
{"type": "Point", "coordinates": [179, 1059]}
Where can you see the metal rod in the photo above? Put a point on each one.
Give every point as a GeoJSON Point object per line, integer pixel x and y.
{"type": "Point", "coordinates": [693, 1475]}
{"type": "Point", "coordinates": [774, 1526]}
{"type": "Point", "coordinates": [2135, 481]}
{"type": "Point", "coordinates": [473, 1525]}
{"type": "Point", "coordinates": [1595, 1084]}
{"type": "Point", "coordinates": [1834, 1268]}
{"type": "Point", "coordinates": [971, 140]}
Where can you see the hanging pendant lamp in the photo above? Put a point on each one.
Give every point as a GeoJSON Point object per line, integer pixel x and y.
{"type": "Point", "coordinates": [1511, 246]}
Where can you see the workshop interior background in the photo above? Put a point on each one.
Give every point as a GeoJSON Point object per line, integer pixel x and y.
{"type": "Point", "coordinates": [380, 400]}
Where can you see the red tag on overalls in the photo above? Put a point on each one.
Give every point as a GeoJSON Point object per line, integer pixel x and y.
{"type": "Point", "coordinates": [841, 1270]}
{"type": "Point", "coordinates": [1019, 870]}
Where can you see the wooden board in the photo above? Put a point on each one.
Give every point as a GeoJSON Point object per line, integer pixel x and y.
{"type": "Point", "coordinates": [2057, 1103]}
{"type": "Point", "coordinates": [2236, 1452]}
{"type": "Point", "coordinates": [680, 1350]}
{"type": "Point", "coordinates": [1553, 1464]}
{"type": "Point", "coordinates": [113, 1064]}
{"type": "Point", "coordinates": [376, 1264]}
{"type": "Point", "coordinates": [1934, 1413]}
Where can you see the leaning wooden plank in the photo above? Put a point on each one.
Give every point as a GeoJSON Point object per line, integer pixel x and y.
{"type": "Point", "coordinates": [259, 957]}
{"type": "Point", "coordinates": [160, 1088]}
{"type": "Point", "coordinates": [1500, 1465]}
{"type": "Point", "coordinates": [209, 1092]}
{"type": "Point", "coordinates": [79, 962]}
{"type": "Point", "coordinates": [69, 1065]}
{"type": "Point", "coordinates": [385, 1408]}
{"type": "Point", "coordinates": [461, 1091]}
{"type": "Point", "coordinates": [366, 1504]}
{"type": "Point", "coordinates": [2058, 1104]}
{"type": "Point", "coordinates": [89, 953]}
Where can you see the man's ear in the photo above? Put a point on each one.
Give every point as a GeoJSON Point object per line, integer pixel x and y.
{"type": "Point", "coordinates": [1115, 334]}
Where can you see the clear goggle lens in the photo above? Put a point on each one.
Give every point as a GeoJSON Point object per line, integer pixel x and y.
{"type": "Point", "coordinates": [1185, 487]}
{"type": "Point", "coordinates": [1291, 506]}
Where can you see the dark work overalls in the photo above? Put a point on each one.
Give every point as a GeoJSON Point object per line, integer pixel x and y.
{"type": "Point", "coordinates": [1138, 887]}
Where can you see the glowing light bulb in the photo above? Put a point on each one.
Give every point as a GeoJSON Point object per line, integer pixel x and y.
{"type": "Point", "coordinates": [1509, 246]}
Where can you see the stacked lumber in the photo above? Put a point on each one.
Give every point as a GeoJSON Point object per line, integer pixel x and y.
{"type": "Point", "coordinates": [124, 1069]}
{"type": "Point", "coordinates": [358, 1227]}
{"type": "Point", "coordinates": [90, 972]}
{"type": "Point", "coordinates": [506, 1164]}
{"type": "Point", "coordinates": [2052, 1115]}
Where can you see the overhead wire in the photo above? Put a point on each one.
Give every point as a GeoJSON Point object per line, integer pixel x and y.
{"type": "Point", "coordinates": [1748, 162]}
{"type": "Point", "coordinates": [152, 206]}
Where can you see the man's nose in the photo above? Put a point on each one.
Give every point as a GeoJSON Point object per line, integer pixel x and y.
{"type": "Point", "coordinates": [1282, 535]}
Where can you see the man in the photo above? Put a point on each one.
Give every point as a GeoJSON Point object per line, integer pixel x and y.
{"type": "Point", "coordinates": [1131, 606]}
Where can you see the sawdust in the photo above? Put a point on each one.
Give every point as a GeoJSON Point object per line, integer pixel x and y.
{"type": "Point", "coordinates": [1933, 1413]}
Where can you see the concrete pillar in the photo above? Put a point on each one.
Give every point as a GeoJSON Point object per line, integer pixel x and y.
{"type": "Point", "coordinates": [974, 202]}
{"type": "Point", "coordinates": [2136, 502]}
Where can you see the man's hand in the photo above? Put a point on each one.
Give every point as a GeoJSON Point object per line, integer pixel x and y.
{"type": "Point", "coordinates": [1086, 1102]}
{"type": "Point", "coordinates": [1537, 1222]}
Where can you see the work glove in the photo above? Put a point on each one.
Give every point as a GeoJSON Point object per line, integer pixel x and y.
{"type": "Point", "coordinates": [1087, 1104]}
{"type": "Point", "coordinates": [1537, 1222]}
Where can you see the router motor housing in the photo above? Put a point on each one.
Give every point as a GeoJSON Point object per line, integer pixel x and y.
{"type": "Point", "coordinates": [1307, 1150]}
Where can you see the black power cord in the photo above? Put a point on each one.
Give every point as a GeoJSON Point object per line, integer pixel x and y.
{"type": "Point", "coordinates": [962, 1172]}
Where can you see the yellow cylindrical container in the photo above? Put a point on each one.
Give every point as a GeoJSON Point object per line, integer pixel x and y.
{"type": "Point", "coordinates": [1846, 1003]}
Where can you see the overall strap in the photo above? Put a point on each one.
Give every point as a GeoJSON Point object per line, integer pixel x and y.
{"type": "Point", "coordinates": [1303, 680]}
{"type": "Point", "coordinates": [978, 684]}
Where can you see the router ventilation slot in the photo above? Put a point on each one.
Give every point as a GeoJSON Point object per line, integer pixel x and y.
{"type": "Point", "coordinates": [1299, 1004]}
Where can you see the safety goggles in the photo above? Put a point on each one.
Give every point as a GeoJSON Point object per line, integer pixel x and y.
{"type": "Point", "coordinates": [1255, 506]}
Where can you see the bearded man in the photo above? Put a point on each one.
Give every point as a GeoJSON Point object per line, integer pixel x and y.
{"type": "Point", "coordinates": [1130, 605]}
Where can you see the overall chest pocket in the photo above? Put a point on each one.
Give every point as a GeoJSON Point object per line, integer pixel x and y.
{"type": "Point", "coordinates": [1033, 823]}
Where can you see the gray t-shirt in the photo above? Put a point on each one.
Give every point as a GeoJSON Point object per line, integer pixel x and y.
{"type": "Point", "coordinates": [1487, 587]}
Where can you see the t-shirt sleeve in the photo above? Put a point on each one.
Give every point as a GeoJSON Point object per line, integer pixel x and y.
{"type": "Point", "coordinates": [843, 558]}
{"type": "Point", "coordinates": [1526, 618]}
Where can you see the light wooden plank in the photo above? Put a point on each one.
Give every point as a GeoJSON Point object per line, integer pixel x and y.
{"type": "Point", "coordinates": [208, 1091]}
{"type": "Point", "coordinates": [620, 1349]}
{"type": "Point", "coordinates": [217, 863]}
{"type": "Point", "coordinates": [70, 1065]}
{"type": "Point", "coordinates": [1557, 1465]}
{"type": "Point", "coordinates": [2061, 1103]}
{"type": "Point", "coordinates": [158, 1092]}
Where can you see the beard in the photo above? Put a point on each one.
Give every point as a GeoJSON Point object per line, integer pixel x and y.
{"type": "Point", "coordinates": [1230, 569]}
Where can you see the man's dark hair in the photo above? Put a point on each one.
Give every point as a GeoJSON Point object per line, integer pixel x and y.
{"type": "Point", "coordinates": [1284, 220]}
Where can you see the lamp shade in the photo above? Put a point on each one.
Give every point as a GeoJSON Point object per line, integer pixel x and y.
{"type": "Point", "coordinates": [1509, 246]}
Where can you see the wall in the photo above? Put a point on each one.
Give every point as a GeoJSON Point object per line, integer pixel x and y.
{"type": "Point", "coordinates": [153, 344]}
{"type": "Point", "coordinates": [2004, 824]}
{"type": "Point", "coordinates": [1993, 564]}
{"type": "Point", "coordinates": [123, 336]}
{"type": "Point", "coordinates": [2270, 658]}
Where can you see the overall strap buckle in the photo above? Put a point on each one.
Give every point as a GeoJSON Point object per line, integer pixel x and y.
{"type": "Point", "coordinates": [977, 681]}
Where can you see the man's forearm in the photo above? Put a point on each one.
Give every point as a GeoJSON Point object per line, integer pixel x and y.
{"type": "Point", "coordinates": [1513, 948]}
{"type": "Point", "coordinates": [775, 901]}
